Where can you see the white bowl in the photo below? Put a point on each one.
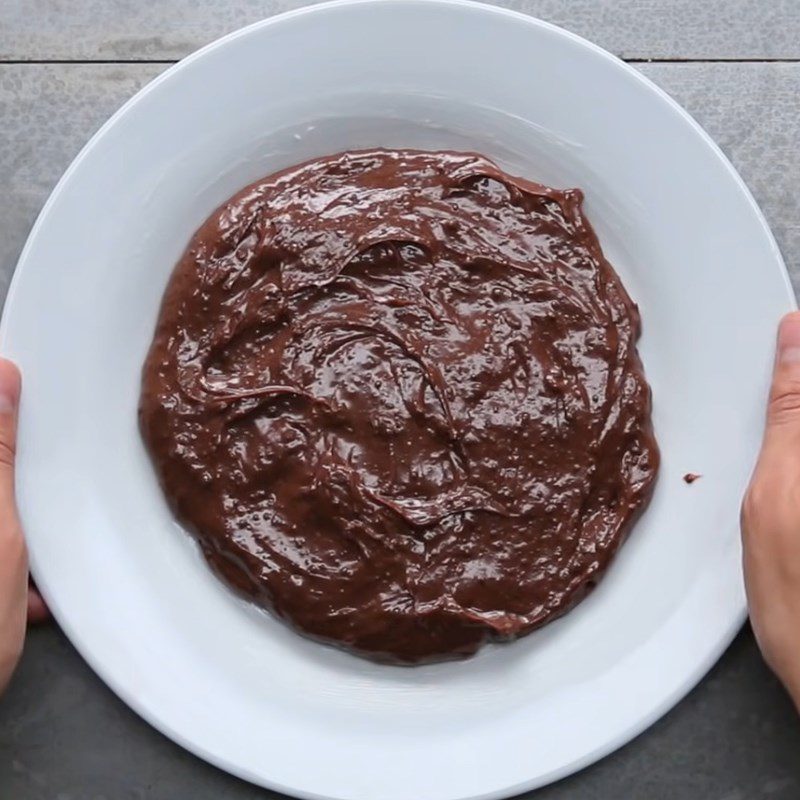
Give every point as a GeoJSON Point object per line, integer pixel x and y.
{"type": "Point", "coordinates": [129, 587]}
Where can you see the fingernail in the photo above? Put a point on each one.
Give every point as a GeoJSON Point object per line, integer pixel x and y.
{"type": "Point", "coordinates": [9, 387]}
{"type": "Point", "coordinates": [789, 339]}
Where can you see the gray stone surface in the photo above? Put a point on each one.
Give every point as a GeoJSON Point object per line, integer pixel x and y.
{"type": "Point", "coordinates": [63, 735]}
{"type": "Point", "coordinates": [48, 111]}
{"type": "Point", "coordinates": [750, 110]}
{"type": "Point", "coordinates": [133, 29]}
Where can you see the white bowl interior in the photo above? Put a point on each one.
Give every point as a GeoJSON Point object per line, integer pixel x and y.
{"type": "Point", "coordinates": [130, 587]}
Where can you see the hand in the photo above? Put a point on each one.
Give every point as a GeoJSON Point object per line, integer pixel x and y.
{"type": "Point", "coordinates": [18, 601]}
{"type": "Point", "coordinates": [13, 556]}
{"type": "Point", "coordinates": [771, 519]}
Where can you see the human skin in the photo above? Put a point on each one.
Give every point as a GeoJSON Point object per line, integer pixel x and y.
{"type": "Point", "coordinates": [18, 602]}
{"type": "Point", "coordinates": [771, 519]}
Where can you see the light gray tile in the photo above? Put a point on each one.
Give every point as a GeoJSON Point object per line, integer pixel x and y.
{"type": "Point", "coordinates": [48, 111]}
{"type": "Point", "coordinates": [750, 110]}
{"type": "Point", "coordinates": [134, 29]}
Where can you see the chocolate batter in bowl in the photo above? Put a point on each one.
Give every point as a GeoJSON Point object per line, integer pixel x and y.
{"type": "Point", "coordinates": [395, 395]}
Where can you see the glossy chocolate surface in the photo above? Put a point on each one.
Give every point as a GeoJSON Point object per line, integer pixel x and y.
{"type": "Point", "coordinates": [395, 395]}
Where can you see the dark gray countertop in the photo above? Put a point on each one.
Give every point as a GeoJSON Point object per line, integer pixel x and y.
{"type": "Point", "coordinates": [65, 736]}
{"type": "Point", "coordinates": [64, 67]}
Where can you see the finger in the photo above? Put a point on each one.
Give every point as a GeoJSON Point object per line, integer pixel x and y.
{"type": "Point", "coordinates": [10, 385]}
{"type": "Point", "coordinates": [783, 412]}
{"type": "Point", "coordinates": [37, 608]}
{"type": "Point", "coordinates": [13, 556]}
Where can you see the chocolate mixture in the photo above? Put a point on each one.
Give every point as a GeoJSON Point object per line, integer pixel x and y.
{"type": "Point", "coordinates": [395, 395]}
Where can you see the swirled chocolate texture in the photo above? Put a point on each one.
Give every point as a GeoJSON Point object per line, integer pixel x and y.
{"type": "Point", "coordinates": [396, 397]}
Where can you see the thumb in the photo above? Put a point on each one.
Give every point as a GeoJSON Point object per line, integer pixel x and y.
{"type": "Point", "coordinates": [13, 556]}
{"type": "Point", "coordinates": [10, 385]}
{"type": "Point", "coordinates": [783, 412]}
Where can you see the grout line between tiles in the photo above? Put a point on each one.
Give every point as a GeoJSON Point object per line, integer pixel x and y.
{"type": "Point", "coordinates": [168, 61]}
{"type": "Point", "coordinates": [81, 61]}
